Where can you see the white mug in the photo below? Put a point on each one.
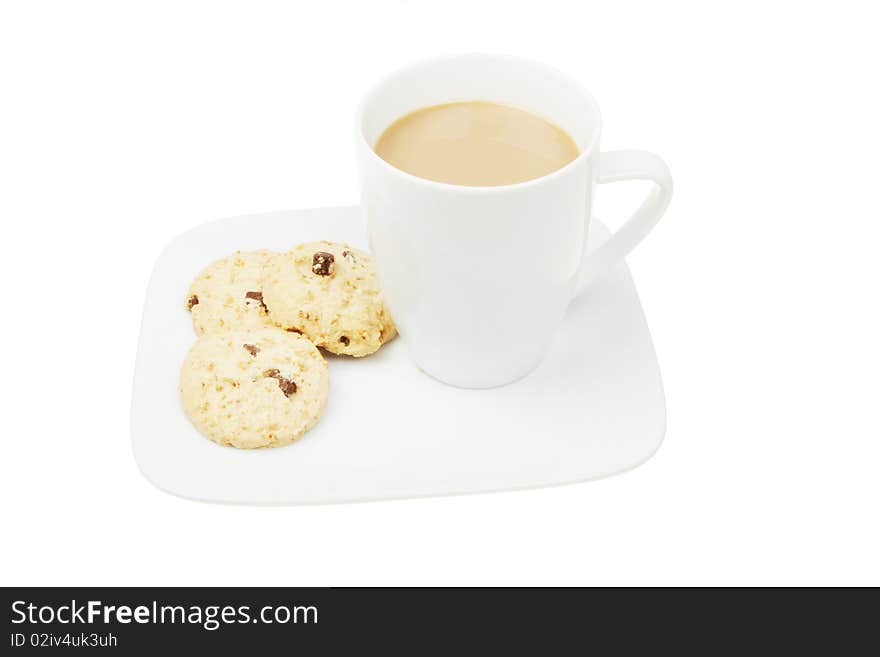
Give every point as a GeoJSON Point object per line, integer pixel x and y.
{"type": "Point", "coordinates": [478, 279]}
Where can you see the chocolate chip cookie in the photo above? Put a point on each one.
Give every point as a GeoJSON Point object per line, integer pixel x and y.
{"type": "Point", "coordinates": [328, 292]}
{"type": "Point", "coordinates": [254, 388]}
{"type": "Point", "coordinates": [228, 294]}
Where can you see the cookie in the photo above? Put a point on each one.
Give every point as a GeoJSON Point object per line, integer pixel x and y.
{"type": "Point", "coordinates": [228, 294]}
{"type": "Point", "coordinates": [256, 388]}
{"type": "Point", "coordinates": [328, 291]}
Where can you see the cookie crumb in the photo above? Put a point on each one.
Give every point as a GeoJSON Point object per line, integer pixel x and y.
{"type": "Point", "coordinates": [192, 301]}
{"type": "Point", "coordinates": [322, 263]}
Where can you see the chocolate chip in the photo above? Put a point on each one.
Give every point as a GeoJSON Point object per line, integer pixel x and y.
{"type": "Point", "coordinates": [252, 349]}
{"type": "Point", "coordinates": [322, 263]}
{"type": "Point", "coordinates": [287, 386]}
{"type": "Point", "coordinates": [256, 296]}
{"type": "Point", "coordinates": [192, 301]}
{"type": "Point", "coordinates": [344, 340]}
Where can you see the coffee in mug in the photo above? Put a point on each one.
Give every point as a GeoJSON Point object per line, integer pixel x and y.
{"type": "Point", "coordinates": [476, 143]}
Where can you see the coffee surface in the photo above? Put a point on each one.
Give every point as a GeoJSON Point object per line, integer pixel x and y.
{"type": "Point", "coordinates": [475, 143]}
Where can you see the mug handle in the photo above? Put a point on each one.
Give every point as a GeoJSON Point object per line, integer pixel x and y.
{"type": "Point", "coordinates": [628, 165]}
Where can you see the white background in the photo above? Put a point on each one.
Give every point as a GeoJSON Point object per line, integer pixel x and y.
{"type": "Point", "coordinates": [123, 124]}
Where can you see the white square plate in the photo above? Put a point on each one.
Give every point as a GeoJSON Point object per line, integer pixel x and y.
{"type": "Point", "coordinates": [593, 408]}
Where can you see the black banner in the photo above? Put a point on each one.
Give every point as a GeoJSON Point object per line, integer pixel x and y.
{"type": "Point", "coordinates": [413, 621]}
